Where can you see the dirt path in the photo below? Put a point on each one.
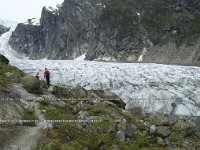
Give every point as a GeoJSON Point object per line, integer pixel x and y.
{"type": "Point", "coordinates": [25, 138]}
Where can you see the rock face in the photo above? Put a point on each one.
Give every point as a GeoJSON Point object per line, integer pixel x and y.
{"type": "Point", "coordinates": [114, 30]}
{"type": "Point", "coordinates": [3, 29]}
{"type": "Point", "coordinates": [3, 59]}
{"type": "Point", "coordinates": [65, 33]}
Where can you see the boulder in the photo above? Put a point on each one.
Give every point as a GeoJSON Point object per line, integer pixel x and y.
{"type": "Point", "coordinates": [152, 129]}
{"type": "Point", "coordinates": [182, 125]}
{"type": "Point", "coordinates": [83, 114]}
{"type": "Point", "coordinates": [120, 136]}
{"type": "Point", "coordinates": [160, 120]}
{"type": "Point", "coordinates": [31, 84]}
{"type": "Point", "coordinates": [3, 59]}
{"type": "Point", "coordinates": [11, 76]}
{"type": "Point", "coordinates": [160, 141]}
{"type": "Point", "coordinates": [163, 131]}
{"type": "Point", "coordinates": [114, 147]}
{"type": "Point", "coordinates": [119, 102]}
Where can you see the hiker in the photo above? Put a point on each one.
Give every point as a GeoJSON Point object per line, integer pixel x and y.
{"type": "Point", "coordinates": [37, 76]}
{"type": "Point", "coordinates": [47, 76]}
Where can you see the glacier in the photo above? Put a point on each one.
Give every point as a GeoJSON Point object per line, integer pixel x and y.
{"type": "Point", "coordinates": [169, 89]}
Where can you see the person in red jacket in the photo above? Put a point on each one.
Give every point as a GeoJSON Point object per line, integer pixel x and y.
{"type": "Point", "coordinates": [47, 76]}
{"type": "Point", "coordinates": [37, 76]}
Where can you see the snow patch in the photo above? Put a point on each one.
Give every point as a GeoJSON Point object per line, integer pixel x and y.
{"type": "Point", "coordinates": [52, 10]}
{"type": "Point", "coordinates": [80, 58]}
{"type": "Point", "coordinates": [142, 54]}
{"type": "Point", "coordinates": [138, 13]}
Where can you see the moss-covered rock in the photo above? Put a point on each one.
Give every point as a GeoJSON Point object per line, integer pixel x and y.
{"type": "Point", "coordinates": [31, 84]}
{"type": "Point", "coordinates": [163, 131]}
{"type": "Point", "coordinates": [182, 125]}
{"type": "Point", "coordinates": [160, 120]}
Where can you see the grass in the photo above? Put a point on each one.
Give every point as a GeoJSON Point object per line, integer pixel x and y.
{"type": "Point", "coordinates": [29, 114]}
{"type": "Point", "coordinates": [54, 112]}
{"type": "Point", "coordinates": [5, 82]}
{"type": "Point", "coordinates": [137, 144]}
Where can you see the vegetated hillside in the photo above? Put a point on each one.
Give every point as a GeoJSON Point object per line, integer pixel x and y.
{"type": "Point", "coordinates": [114, 30]}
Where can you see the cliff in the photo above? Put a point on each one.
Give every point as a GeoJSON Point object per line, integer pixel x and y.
{"type": "Point", "coordinates": [114, 30]}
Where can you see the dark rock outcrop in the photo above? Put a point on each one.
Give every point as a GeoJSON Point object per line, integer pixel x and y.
{"type": "Point", "coordinates": [114, 30]}
{"type": "Point", "coordinates": [3, 59]}
{"type": "Point", "coordinates": [65, 33]}
{"type": "Point", "coordinates": [3, 29]}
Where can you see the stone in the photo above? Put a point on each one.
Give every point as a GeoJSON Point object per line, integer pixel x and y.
{"type": "Point", "coordinates": [107, 103]}
{"type": "Point", "coordinates": [13, 77]}
{"type": "Point", "coordinates": [182, 125]}
{"type": "Point", "coordinates": [130, 130]}
{"type": "Point", "coordinates": [120, 136]}
{"type": "Point", "coordinates": [122, 125]}
{"type": "Point", "coordinates": [119, 102]}
{"type": "Point", "coordinates": [163, 131]}
{"type": "Point", "coordinates": [83, 114]}
{"type": "Point", "coordinates": [160, 120]}
{"type": "Point", "coordinates": [114, 147]}
{"type": "Point", "coordinates": [160, 141]}
{"type": "Point", "coordinates": [152, 129]}
{"type": "Point", "coordinates": [3, 59]}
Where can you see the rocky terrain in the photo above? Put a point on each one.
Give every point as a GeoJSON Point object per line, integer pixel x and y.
{"type": "Point", "coordinates": [114, 30]}
{"type": "Point", "coordinates": [110, 126]}
{"type": "Point", "coordinates": [3, 29]}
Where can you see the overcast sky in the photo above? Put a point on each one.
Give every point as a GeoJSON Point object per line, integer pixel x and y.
{"type": "Point", "coordinates": [21, 10]}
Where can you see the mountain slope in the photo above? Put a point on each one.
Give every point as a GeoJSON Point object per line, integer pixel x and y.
{"type": "Point", "coordinates": [114, 30]}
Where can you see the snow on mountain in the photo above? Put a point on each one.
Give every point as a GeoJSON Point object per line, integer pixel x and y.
{"type": "Point", "coordinates": [166, 88]}
{"type": "Point", "coordinates": [33, 21]}
{"type": "Point", "coordinates": [80, 58]}
{"type": "Point", "coordinates": [5, 48]}
{"type": "Point", "coordinates": [8, 23]}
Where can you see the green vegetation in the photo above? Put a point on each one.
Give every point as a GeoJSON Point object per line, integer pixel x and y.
{"type": "Point", "coordinates": [29, 114]}
{"type": "Point", "coordinates": [136, 144]}
{"type": "Point", "coordinates": [32, 85]}
{"type": "Point", "coordinates": [4, 81]}
{"type": "Point", "coordinates": [54, 112]}
{"type": "Point", "coordinates": [121, 13]}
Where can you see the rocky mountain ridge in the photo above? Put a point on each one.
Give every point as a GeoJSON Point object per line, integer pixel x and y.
{"type": "Point", "coordinates": [3, 29]}
{"type": "Point", "coordinates": [114, 30]}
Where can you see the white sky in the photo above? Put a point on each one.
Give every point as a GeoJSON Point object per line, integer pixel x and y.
{"type": "Point", "coordinates": [21, 10]}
